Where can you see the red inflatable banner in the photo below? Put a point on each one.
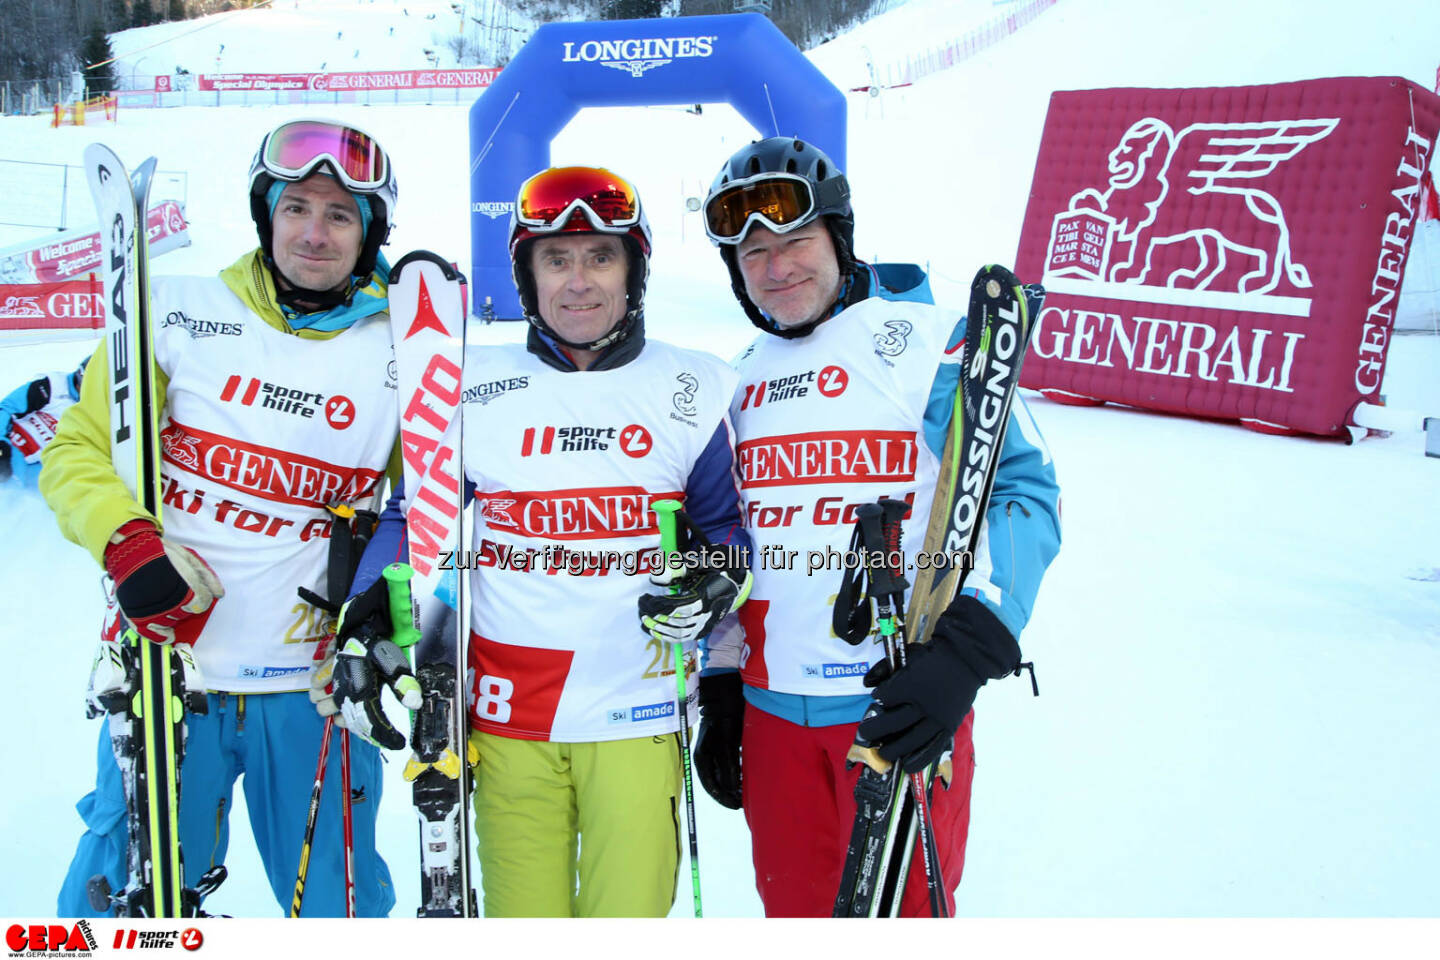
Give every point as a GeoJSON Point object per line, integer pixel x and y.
{"type": "Point", "coordinates": [1229, 252]}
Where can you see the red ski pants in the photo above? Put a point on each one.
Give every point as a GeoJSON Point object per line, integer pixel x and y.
{"type": "Point", "coordinates": [800, 804]}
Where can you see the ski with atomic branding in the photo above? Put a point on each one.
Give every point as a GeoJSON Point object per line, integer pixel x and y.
{"type": "Point", "coordinates": [149, 695]}
{"type": "Point", "coordinates": [427, 317]}
{"type": "Point", "coordinates": [998, 325]}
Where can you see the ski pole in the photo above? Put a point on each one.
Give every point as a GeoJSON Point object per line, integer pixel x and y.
{"type": "Point", "coordinates": [311, 817]}
{"type": "Point", "coordinates": [878, 539]}
{"type": "Point", "coordinates": [349, 823]}
{"type": "Point", "coordinates": [350, 531]}
{"type": "Point", "coordinates": [665, 518]}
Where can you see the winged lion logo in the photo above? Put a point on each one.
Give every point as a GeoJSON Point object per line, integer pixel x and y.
{"type": "Point", "coordinates": [1191, 211]}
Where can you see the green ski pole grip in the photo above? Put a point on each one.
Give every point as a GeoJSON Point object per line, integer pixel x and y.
{"type": "Point", "coordinates": [402, 606]}
{"type": "Point", "coordinates": [665, 511]}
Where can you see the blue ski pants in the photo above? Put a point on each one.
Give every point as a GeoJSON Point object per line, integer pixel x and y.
{"type": "Point", "coordinates": [273, 741]}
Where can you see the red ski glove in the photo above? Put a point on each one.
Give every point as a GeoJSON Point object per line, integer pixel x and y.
{"type": "Point", "coordinates": [158, 584]}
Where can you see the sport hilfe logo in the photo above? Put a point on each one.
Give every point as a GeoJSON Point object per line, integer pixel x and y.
{"type": "Point", "coordinates": [634, 440]}
{"type": "Point", "coordinates": [339, 410]}
{"type": "Point", "coordinates": [830, 381]}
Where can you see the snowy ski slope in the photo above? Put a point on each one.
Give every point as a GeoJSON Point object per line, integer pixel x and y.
{"type": "Point", "coordinates": [1238, 649]}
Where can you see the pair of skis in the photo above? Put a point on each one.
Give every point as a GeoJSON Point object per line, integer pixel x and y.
{"type": "Point", "coordinates": [146, 711]}
{"type": "Point", "coordinates": [892, 811]}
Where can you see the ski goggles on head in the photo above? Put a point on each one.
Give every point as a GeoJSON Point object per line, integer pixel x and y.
{"type": "Point", "coordinates": [549, 199]}
{"type": "Point", "coordinates": [294, 150]}
{"type": "Point", "coordinates": [781, 201]}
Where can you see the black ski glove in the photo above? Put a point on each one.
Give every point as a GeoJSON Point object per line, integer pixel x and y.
{"type": "Point", "coordinates": [368, 658]}
{"type": "Point", "coordinates": [5, 468]}
{"type": "Point", "coordinates": [919, 707]}
{"type": "Point", "coordinates": [717, 748]}
{"type": "Point", "coordinates": [704, 599]}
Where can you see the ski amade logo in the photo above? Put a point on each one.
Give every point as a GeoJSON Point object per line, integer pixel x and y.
{"type": "Point", "coordinates": [637, 55]}
{"type": "Point", "coordinates": [42, 940]}
{"type": "Point", "coordinates": [642, 712]}
{"type": "Point", "coordinates": [834, 671]}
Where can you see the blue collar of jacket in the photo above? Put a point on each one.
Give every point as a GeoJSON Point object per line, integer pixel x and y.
{"type": "Point", "coordinates": [364, 302]}
{"type": "Point", "coordinates": [899, 281]}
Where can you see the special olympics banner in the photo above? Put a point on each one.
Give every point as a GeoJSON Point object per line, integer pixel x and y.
{"type": "Point", "coordinates": [1228, 252]}
{"type": "Point", "coordinates": [362, 80]}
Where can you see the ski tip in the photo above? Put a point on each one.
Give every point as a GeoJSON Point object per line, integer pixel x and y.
{"type": "Point", "coordinates": [425, 256]}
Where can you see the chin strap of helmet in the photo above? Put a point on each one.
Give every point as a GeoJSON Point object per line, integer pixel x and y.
{"type": "Point", "coordinates": [304, 300]}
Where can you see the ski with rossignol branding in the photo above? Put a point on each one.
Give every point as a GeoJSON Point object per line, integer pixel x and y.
{"type": "Point", "coordinates": [427, 316]}
{"type": "Point", "coordinates": [146, 688]}
{"type": "Point", "coordinates": [998, 325]}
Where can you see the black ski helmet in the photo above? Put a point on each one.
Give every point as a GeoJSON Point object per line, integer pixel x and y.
{"type": "Point", "coordinates": [381, 198]}
{"type": "Point", "coordinates": [832, 205]}
{"type": "Point", "coordinates": [579, 217]}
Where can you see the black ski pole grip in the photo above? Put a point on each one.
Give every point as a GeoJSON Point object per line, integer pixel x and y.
{"type": "Point", "coordinates": [850, 617]}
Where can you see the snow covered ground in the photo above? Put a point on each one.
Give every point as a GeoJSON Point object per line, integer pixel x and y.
{"type": "Point", "coordinates": [1238, 648]}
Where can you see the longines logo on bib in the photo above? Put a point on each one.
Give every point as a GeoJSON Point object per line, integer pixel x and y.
{"type": "Point", "coordinates": [637, 55]}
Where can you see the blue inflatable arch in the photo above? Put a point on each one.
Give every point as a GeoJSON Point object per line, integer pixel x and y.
{"type": "Point", "coordinates": [740, 59]}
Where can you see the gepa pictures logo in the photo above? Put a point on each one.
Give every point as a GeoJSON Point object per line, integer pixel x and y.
{"type": "Point", "coordinates": [38, 939]}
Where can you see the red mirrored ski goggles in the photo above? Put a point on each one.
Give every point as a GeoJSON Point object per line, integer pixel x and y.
{"type": "Point", "coordinates": [549, 199]}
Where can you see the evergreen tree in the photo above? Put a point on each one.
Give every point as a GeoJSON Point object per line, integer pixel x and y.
{"type": "Point", "coordinates": [96, 49]}
{"type": "Point", "coordinates": [632, 9]}
{"type": "Point", "coordinates": [117, 15]}
{"type": "Point", "coordinates": [177, 10]}
{"type": "Point", "coordinates": [141, 13]}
